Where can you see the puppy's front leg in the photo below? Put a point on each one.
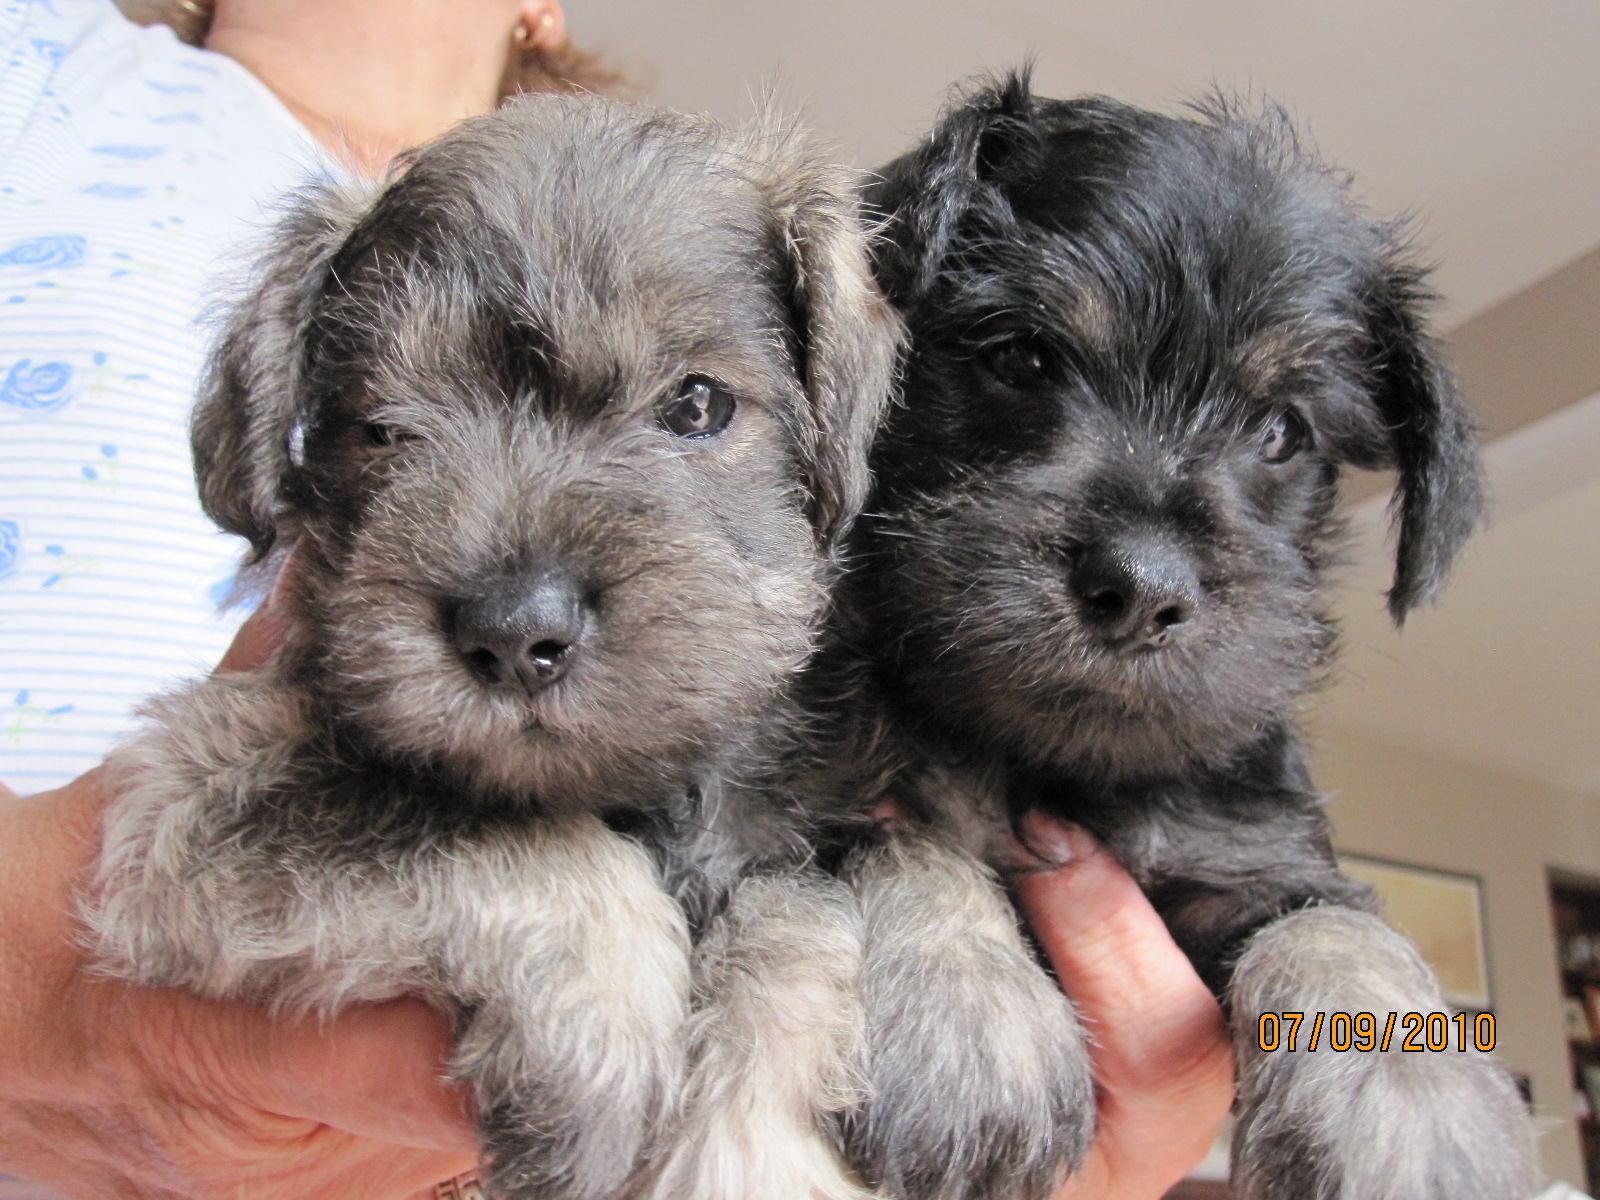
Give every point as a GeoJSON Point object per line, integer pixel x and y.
{"type": "Point", "coordinates": [1393, 1124]}
{"type": "Point", "coordinates": [570, 965]}
{"type": "Point", "coordinates": [776, 1047]}
{"type": "Point", "coordinates": [1254, 896]}
{"type": "Point", "coordinates": [241, 858]}
{"type": "Point", "coordinates": [980, 1077]}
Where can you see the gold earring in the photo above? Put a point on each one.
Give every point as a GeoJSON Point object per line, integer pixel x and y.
{"type": "Point", "coordinates": [193, 9]}
{"type": "Point", "coordinates": [523, 34]}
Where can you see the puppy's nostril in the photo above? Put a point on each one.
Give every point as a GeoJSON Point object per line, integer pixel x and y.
{"type": "Point", "coordinates": [547, 654]}
{"type": "Point", "coordinates": [483, 661]}
{"type": "Point", "coordinates": [1173, 614]}
{"type": "Point", "coordinates": [1106, 604]}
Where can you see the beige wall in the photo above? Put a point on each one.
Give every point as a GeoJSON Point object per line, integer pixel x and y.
{"type": "Point", "coordinates": [1390, 802]}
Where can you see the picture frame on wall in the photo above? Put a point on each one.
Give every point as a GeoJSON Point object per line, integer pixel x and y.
{"type": "Point", "coordinates": [1576, 1020]}
{"type": "Point", "coordinates": [1442, 913]}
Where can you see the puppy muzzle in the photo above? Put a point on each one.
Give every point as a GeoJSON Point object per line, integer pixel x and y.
{"type": "Point", "coordinates": [525, 631]}
{"type": "Point", "coordinates": [1138, 591]}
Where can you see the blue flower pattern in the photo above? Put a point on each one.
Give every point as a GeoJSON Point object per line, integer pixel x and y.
{"type": "Point", "coordinates": [58, 250]}
{"type": "Point", "coordinates": [10, 549]}
{"type": "Point", "coordinates": [136, 153]}
{"type": "Point", "coordinates": [114, 191]}
{"type": "Point", "coordinates": [37, 389]}
{"type": "Point", "coordinates": [127, 178]}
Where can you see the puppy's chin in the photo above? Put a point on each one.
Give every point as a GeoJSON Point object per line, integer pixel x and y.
{"type": "Point", "coordinates": [993, 646]}
{"type": "Point", "coordinates": [1103, 735]}
{"type": "Point", "coordinates": [633, 716]}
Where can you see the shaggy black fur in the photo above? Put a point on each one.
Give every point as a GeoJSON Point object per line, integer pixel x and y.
{"type": "Point", "coordinates": [1115, 318]}
{"type": "Point", "coordinates": [1141, 349]}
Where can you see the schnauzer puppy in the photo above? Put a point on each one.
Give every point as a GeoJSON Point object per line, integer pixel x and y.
{"type": "Point", "coordinates": [1140, 351]}
{"type": "Point", "coordinates": [563, 425]}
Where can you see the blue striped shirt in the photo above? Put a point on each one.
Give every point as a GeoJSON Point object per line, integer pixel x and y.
{"type": "Point", "coordinates": [136, 177]}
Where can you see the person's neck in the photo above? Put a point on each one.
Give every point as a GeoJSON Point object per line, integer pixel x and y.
{"type": "Point", "coordinates": [370, 78]}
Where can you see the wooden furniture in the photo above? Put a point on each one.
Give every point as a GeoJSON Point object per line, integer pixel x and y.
{"type": "Point", "coordinates": [1575, 903]}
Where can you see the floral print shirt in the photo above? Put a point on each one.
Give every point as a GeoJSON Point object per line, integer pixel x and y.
{"type": "Point", "coordinates": [137, 175]}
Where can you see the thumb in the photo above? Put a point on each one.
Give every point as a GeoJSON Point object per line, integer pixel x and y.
{"type": "Point", "coordinates": [265, 629]}
{"type": "Point", "coordinates": [378, 1071]}
{"type": "Point", "coordinates": [1116, 959]}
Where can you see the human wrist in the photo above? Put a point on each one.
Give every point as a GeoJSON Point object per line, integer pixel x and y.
{"type": "Point", "coordinates": [53, 1086]}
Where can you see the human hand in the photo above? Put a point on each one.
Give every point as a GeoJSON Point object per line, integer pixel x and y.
{"type": "Point", "coordinates": [136, 1093]}
{"type": "Point", "coordinates": [1162, 1062]}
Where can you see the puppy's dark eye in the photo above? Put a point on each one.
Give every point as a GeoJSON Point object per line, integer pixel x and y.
{"type": "Point", "coordinates": [1284, 437]}
{"type": "Point", "coordinates": [701, 408]}
{"type": "Point", "coordinates": [1019, 362]}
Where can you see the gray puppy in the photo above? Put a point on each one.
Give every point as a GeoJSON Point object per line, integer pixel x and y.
{"type": "Point", "coordinates": [563, 424]}
{"type": "Point", "coordinates": [1141, 349]}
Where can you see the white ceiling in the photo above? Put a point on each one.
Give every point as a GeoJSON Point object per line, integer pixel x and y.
{"type": "Point", "coordinates": [1483, 116]}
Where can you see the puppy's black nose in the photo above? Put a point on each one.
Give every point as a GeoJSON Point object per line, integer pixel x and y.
{"type": "Point", "coordinates": [524, 631]}
{"type": "Point", "coordinates": [1136, 590]}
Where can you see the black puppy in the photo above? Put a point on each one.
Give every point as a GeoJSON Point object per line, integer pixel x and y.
{"type": "Point", "coordinates": [1141, 350]}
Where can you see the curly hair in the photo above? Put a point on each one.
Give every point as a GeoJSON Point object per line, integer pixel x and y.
{"type": "Point", "coordinates": [566, 69]}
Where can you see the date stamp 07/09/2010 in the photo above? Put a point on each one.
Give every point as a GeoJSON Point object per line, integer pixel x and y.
{"type": "Point", "coordinates": [1340, 1031]}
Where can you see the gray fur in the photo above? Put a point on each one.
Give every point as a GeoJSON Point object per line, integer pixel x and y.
{"type": "Point", "coordinates": [978, 1066]}
{"type": "Point", "coordinates": [777, 1047]}
{"type": "Point", "coordinates": [1140, 351]}
{"type": "Point", "coordinates": [1369, 1125]}
{"type": "Point", "coordinates": [520, 752]}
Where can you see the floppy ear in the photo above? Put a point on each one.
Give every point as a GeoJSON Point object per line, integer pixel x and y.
{"type": "Point", "coordinates": [923, 197]}
{"type": "Point", "coordinates": [1438, 497]}
{"type": "Point", "coordinates": [846, 335]}
{"type": "Point", "coordinates": [252, 397]}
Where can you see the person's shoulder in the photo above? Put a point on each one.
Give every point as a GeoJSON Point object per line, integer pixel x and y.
{"type": "Point", "coordinates": [50, 30]}
{"type": "Point", "coordinates": [57, 46]}
{"type": "Point", "coordinates": [85, 91]}
{"type": "Point", "coordinates": [50, 49]}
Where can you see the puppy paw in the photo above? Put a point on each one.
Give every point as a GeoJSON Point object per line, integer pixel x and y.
{"type": "Point", "coordinates": [532, 1151]}
{"type": "Point", "coordinates": [574, 999]}
{"type": "Point", "coordinates": [759, 1160]}
{"type": "Point", "coordinates": [979, 1080]}
{"type": "Point", "coordinates": [981, 1090]}
{"type": "Point", "coordinates": [558, 1123]}
{"type": "Point", "coordinates": [776, 1045]}
{"type": "Point", "coordinates": [1378, 1124]}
